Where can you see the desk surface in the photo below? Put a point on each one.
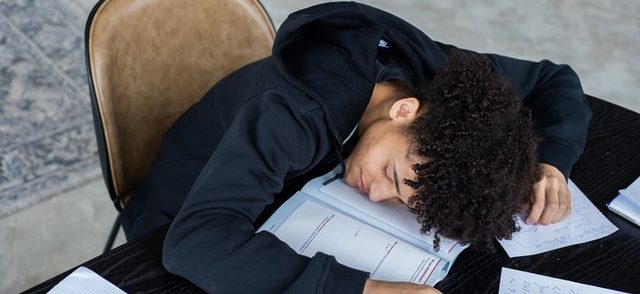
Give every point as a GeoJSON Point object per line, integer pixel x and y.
{"type": "Point", "coordinates": [611, 161]}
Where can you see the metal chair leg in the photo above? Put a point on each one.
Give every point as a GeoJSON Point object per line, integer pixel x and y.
{"type": "Point", "coordinates": [113, 234]}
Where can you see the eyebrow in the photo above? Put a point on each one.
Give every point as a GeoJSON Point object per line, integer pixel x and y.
{"type": "Point", "coordinates": [395, 177]}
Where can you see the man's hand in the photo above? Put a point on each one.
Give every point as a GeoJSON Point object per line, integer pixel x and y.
{"type": "Point", "coordinates": [373, 286]}
{"type": "Point", "coordinates": [550, 198]}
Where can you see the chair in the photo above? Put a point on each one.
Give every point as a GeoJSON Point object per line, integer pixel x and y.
{"type": "Point", "coordinates": [148, 61]}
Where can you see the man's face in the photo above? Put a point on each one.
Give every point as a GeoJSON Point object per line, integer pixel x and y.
{"type": "Point", "coordinates": [381, 161]}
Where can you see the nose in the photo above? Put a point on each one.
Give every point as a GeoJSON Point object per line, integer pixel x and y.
{"type": "Point", "coordinates": [378, 191]}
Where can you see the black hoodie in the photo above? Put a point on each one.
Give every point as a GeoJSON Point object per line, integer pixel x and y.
{"type": "Point", "coordinates": [276, 119]}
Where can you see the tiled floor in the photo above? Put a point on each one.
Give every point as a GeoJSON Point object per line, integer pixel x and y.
{"type": "Point", "coordinates": [599, 38]}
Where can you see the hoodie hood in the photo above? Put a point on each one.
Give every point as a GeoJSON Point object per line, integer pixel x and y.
{"type": "Point", "coordinates": [330, 52]}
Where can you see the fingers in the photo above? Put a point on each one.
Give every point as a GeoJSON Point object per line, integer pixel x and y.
{"type": "Point", "coordinates": [564, 203]}
{"type": "Point", "coordinates": [564, 210]}
{"type": "Point", "coordinates": [538, 202]}
{"type": "Point", "coordinates": [551, 201]}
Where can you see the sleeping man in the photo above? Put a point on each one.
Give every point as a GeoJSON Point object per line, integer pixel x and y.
{"type": "Point", "coordinates": [465, 140]}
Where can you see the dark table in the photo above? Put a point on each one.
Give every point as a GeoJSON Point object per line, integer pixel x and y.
{"type": "Point", "coordinates": [611, 162]}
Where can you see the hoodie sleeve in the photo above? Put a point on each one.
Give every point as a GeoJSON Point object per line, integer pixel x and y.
{"type": "Point", "coordinates": [559, 107]}
{"type": "Point", "coordinates": [212, 241]}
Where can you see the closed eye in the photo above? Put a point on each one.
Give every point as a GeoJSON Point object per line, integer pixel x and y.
{"type": "Point", "coordinates": [384, 172]}
{"type": "Point", "coordinates": [395, 179]}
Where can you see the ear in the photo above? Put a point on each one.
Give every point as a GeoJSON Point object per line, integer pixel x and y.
{"type": "Point", "coordinates": [405, 109]}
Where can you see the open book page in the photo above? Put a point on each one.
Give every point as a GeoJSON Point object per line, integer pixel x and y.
{"type": "Point", "coordinates": [309, 226]}
{"type": "Point", "coordinates": [627, 204]}
{"type": "Point", "coordinates": [585, 223]}
{"type": "Point", "coordinates": [395, 219]}
{"type": "Point", "coordinates": [515, 281]}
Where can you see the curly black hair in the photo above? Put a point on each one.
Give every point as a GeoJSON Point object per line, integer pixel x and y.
{"type": "Point", "coordinates": [479, 146]}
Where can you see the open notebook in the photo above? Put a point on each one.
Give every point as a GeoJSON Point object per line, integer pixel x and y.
{"type": "Point", "coordinates": [382, 239]}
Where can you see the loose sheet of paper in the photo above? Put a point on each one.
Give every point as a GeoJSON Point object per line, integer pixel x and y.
{"type": "Point", "coordinates": [84, 280]}
{"type": "Point", "coordinates": [585, 223]}
{"type": "Point", "coordinates": [313, 228]}
{"type": "Point", "coordinates": [515, 281]}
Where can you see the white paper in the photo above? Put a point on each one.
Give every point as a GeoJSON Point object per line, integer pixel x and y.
{"type": "Point", "coordinates": [633, 189]}
{"type": "Point", "coordinates": [515, 281]}
{"type": "Point", "coordinates": [312, 228]}
{"type": "Point", "coordinates": [627, 204]}
{"type": "Point", "coordinates": [627, 207]}
{"type": "Point", "coordinates": [84, 280]}
{"type": "Point", "coordinates": [585, 223]}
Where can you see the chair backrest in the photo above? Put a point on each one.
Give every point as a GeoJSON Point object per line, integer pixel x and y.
{"type": "Point", "coordinates": [149, 60]}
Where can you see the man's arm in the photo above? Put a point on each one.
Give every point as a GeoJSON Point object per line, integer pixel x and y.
{"type": "Point", "coordinates": [553, 92]}
{"type": "Point", "coordinates": [561, 115]}
{"type": "Point", "coordinates": [560, 110]}
{"type": "Point", "coordinates": [382, 287]}
{"type": "Point", "coordinates": [212, 241]}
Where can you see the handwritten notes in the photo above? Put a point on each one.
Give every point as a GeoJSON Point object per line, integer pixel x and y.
{"type": "Point", "coordinates": [584, 224]}
{"type": "Point", "coordinates": [514, 281]}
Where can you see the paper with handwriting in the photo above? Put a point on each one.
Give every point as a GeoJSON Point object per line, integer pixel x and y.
{"type": "Point", "coordinates": [585, 223]}
{"type": "Point", "coordinates": [515, 281]}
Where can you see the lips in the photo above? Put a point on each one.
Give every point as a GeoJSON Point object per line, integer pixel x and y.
{"type": "Point", "coordinates": [361, 185]}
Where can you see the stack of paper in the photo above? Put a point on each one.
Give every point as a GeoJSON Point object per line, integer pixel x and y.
{"type": "Point", "coordinates": [627, 204]}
